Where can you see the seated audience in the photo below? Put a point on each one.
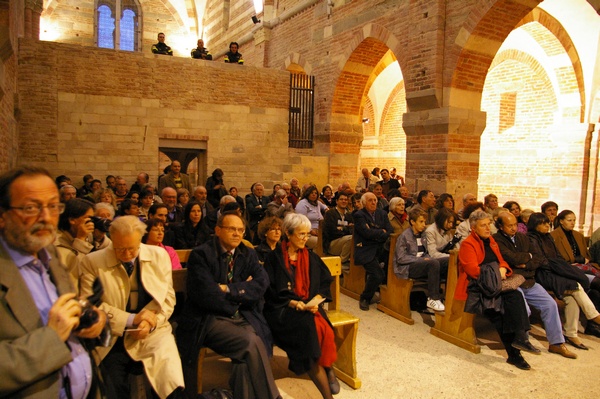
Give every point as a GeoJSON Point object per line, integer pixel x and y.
{"type": "Point", "coordinates": [445, 200]}
{"type": "Point", "coordinates": [104, 213]}
{"type": "Point", "coordinates": [406, 196]}
{"type": "Point", "coordinates": [514, 247]}
{"type": "Point", "coordinates": [155, 233]}
{"type": "Point", "coordinates": [566, 282]}
{"type": "Point", "coordinates": [426, 203]}
{"type": "Point", "coordinates": [356, 202]}
{"type": "Point", "coordinates": [439, 236]}
{"type": "Point", "coordinates": [67, 192]}
{"type": "Point", "coordinates": [129, 207]}
{"type": "Point", "coordinates": [121, 190]}
{"type": "Point", "coordinates": [160, 211]}
{"type": "Point", "coordinates": [490, 203]}
{"type": "Point", "coordinates": [550, 209]}
{"type": "Point", "coordinates": [174, 213]}
{"type": "Point", "coordinates": [298, 278]}
{"type": "Point", "coordinates": [280, 206]}
{"type": "Point", "coordinates": [142, 179]}
{"type": "Point", "coordinates": [398, 216]}
{"type": "Point", "coordinates": [256, 207]}
{"type": "Point", "coordinates": [515, 209]}
{"type": "Point", "coordinates": [387, 182]}
{"type": "Point", "coordinates": [479, 256]}
{"type": "Point", "coordinates": [75, 234]}
{"type": "Point", "coordinates": [224, 313]}
{"type": "Point", "coordinates": [382, 202]}
{"type": "Point", "coordinates": [269, 232]}
{"type": "Point", "coordinates": [183, 197]}
{"type": "Point", "coordinates": [233, 191]}
{"type": "Point", "coordinates": [571, 244]}
{"type": "Point", "coordinates": [106, 195]}
{"type": "Point", "coordinates": [146, 201]}
{"type": "Point", "coordinates": [193, 231]}
{"type": "Point", "coordinates": [310, 207]}
{"type": "Point", "coordinates": [372, 229]}
{"type": "Point", "coordinates": [525, 213]}
{"type": "Point", "coordinates": [364, 181]}
{"type": "Point", "coordinates": [337, 230]}
{"type": "Point", "coordinates": [464, 228]}
{"type": "Point", "coordinates": [467, 199]}
{"type": "Point", "coordinates": [411, 259]}
{"type": "Point", "coordinates": [327, 196]}
{"type": "Point", "coordinates": [62, 180]}
{"type": "Point", "coordinates": [138, 296]}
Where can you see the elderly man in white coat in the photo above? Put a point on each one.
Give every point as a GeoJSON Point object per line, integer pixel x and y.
{"type": "Point", "coordinates": [138, 298]}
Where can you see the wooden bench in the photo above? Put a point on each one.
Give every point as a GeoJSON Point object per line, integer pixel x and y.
{"type": "Point", "coordinates": [455, 325]}
{"type": "Point", "coordinates": [319, 248]}
{"type": "Point", "coordinates": [354, 278]}
{"type": "Point", "coordinates": [395, 295]}
{"type": "Point", "coordinates": [183, 255]}
{"type": "Point", "coordinates": [345, 328]}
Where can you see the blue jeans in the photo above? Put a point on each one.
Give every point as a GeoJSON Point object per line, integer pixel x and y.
{"type": "Point", "coordinates": [537, 297]}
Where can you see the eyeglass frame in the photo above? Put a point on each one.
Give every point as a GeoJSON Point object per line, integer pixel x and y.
{"type": "Point", "coordinates": [58, 206]}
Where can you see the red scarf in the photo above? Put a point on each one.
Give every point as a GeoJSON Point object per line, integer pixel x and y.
{"type": "Point", "coordinates": [302, 275]}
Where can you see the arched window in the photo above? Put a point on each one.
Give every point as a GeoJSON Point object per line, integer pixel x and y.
{"type": "Point", "coordinates": [118, 24]}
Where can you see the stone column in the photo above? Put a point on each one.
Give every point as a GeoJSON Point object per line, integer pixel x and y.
{"type": "Point", "coordinates": [261, 42]}
{"type": "Point", "coordinates": [442, 149]}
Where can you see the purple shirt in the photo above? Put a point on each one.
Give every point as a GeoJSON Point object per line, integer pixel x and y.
{"type": "Point", "coordinates": [43, 291]}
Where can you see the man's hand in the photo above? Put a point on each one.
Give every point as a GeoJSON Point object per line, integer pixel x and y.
{"type": "Point", "coordinates": [144, 330]}
{"type": "Point", "coordinates": [84, 230]}
{"type": "Point", "coordinates": [95, 329]}
{"type": "Point", "coordinates": [63, 316]}
{"type": "Point", "coordinates": [503, 273]}
{"type": "Point", "coordinates": [223, 287]}
{"type": "Point", "coordinates": [147, 316]}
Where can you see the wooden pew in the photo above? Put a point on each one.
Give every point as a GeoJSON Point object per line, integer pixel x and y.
{"type": "Point", "coordinates": [455, 325]}
{"type": "Point", "coordinates": [319, 248]}
{"type": "Point", "coordinates": [395, 295]}
{"type": "Point", "coordinates": [345, 327]}
{"type": "Point", "coordinates": [183, 255]}
{"type": "Point", "coordinates": [354, 279]}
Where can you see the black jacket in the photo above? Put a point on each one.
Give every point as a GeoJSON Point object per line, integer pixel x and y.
{"type": "Point", "coordinates": [518, 253]}
{"type": "Point", "coordinates": [484, 292]}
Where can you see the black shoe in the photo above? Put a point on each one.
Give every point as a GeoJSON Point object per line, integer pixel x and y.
{"type": "Point", "coordinates": [334, 384]}
{"type": "Point", "coordinates": [526, 346]}
{"type": "Point", "coordinates": [363, 304]}
{"type": "Point", "coordinates": [518, 362]}
{"type": "Point", "coordinates": [376, 298]}
{"type": "Point", "coordinates": [592, 329]}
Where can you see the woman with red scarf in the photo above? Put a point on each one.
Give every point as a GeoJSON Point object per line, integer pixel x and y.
{"type": "Point", "coordinates": [299, 282]}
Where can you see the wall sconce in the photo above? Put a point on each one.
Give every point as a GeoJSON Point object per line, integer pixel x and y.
{"type": "Point", "coordinates": [255, 19]}
{"type": "Point", "coordinates": [366, 120]}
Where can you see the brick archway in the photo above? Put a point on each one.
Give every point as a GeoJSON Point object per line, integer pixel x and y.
{"type": "Point", "coordinates": [297, 59]}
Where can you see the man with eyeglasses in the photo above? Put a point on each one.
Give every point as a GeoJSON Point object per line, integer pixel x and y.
{"type": "Point", "coordinates": [223, 312]}
{"type": "Point", "coordinates": [139, 299]}
{"type": "Point", "coordinates": [41, 355]}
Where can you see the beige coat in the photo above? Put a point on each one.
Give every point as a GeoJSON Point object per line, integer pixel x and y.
{"type": "Point", "coordinates": [158, 351]}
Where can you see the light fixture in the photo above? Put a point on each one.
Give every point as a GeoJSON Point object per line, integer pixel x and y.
{"type": "Point", "coordinates": [255, 19]}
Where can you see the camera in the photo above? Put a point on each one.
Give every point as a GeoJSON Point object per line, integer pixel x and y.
{"type": "Point", "coordinates": [88, 317]}
{"type": "Point", "coordinates": [101, 224]}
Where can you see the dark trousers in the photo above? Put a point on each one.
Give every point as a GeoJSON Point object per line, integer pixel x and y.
{"type": "Point", "coordinates": [116, 368]}
{"type": "Point", "coordinates": [514, 323]}
{"type": "Point", "coordinates": [433, 270]}
{"type": "Point", "coordinates": [251, 376]}
{"type": "Point", "coordinates": [373, 278]}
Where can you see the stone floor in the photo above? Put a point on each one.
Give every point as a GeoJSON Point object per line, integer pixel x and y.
{"type": "Point", "coordinates": [396, 360]}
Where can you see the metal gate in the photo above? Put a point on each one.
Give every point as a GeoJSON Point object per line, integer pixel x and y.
{"type": "Point", "coordinates": [302, 105]}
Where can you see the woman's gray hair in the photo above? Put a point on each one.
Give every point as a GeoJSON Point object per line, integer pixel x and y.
{"type": "Point", "coordinates": [477, 216]}
{"type": "Point", "coordinates": [108, 207]}
{"type": "Point", "coordinates": [126, 225]}
{"type": "Point", "coordinates": [293, 221]}
{"type": "Point", "coordinates": [394, 203]}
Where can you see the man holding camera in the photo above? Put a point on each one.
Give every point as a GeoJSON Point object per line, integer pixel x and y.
{"type": "Point", "coordinates": [38, 308]}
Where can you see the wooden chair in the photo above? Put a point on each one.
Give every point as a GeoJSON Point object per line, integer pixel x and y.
{"type": "Point", "coordinates": [354, 279]}
{"type": "Point", "coordinates": [455, 325]}
{"type": "Point", "coordinates": [345, 327]}
{"type": "Point", "coordinates": [395, 295]}
{"type": "Point", "coordinates": [319, 248]}
{"type": "Point", "coordinates": [183, 255]}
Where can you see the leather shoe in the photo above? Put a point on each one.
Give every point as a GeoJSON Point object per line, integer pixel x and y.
{"type": "Point", "coordinates": [518, 362]}
{"type": "Point", "coordinates": [363, 304]}
{"type": "Point", "coordinates": [562, 350]}
{"type": "Point", "coordinates": [376, 298]}
{"type": "Point", "coordinates": [576, 343]}
{"type": "Point", "coordinates": [334, 384]}
{"type": "Point", "coordinates": [592, 328]}
{"type": "Point", "coordinates": [526, 346]}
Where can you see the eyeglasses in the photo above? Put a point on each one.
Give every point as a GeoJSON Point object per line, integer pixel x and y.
{"type": "Point", "coordinates": [231, 229]}
{"type": "Point", "coordinates": [275, 229]}
{"type": "Point", "coordinates": [130, 250]}
{"type": "Point", "coordinates": [36, 209]}
{"type": "Point", "coordinates": [303, 236]}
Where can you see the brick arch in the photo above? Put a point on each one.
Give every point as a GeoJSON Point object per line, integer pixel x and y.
{"type": "Point", "coordinates": [367, 54]}
{"type": "Point", "coordinates": [391, 127]}
{"type": "Point", "coordinates": [298, 59]}
{"type": "Point", "coordinates": [476, 44]}
{"type": "Point", "coordinates": [556, 29]}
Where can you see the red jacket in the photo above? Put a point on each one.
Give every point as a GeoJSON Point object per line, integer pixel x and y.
{"type": "Point", "coordinates": [470, 256]}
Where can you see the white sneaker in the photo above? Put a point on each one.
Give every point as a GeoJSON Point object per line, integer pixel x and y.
{"type": "Point", "coordinates": [435, 304]}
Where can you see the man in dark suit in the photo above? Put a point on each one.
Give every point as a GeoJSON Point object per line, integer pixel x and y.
{"type": "Point", "coordinates": [223, 310]}
{"type": "Point", "coordinates": [371, 230]}
{"type": "Point", "coordinates": [37, 307]}
{"type": "Point", "coordinates": [256, 206]}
